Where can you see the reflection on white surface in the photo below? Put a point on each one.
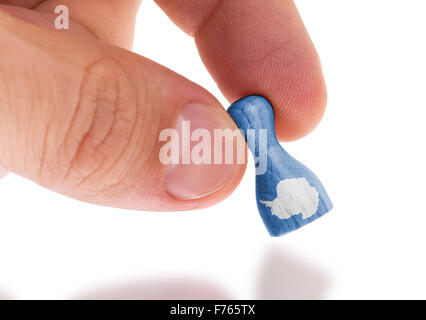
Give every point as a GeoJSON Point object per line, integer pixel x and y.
{"type": "Point", "coordinates": [287, 276]}
{"type": "Point", "coordinates": [3, 172]}
{"type": "Point", "coordinates": [4, 296]}
{"type": "Point", "coordinates": [171, 289]}
{"type": "Point", "coordinates": [281, 276]}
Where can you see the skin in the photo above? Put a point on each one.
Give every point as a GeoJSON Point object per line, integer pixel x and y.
{"type": "Point", "coordinates": [80, 114]}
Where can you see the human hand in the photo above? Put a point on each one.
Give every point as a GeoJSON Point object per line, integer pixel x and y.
{"type": "Point", "coordinates": [81, 115]}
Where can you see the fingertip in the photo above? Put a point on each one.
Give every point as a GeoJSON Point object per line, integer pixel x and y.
{"type": "Point", "coordinates": [264, 49]}
{"type": "Point", "coordinates": [300, 111]}
{"type": "Point", "coordinates": [298, 93]}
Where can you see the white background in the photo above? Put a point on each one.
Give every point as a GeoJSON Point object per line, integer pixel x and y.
{"type": "Point", "coordinates": [369, 152]}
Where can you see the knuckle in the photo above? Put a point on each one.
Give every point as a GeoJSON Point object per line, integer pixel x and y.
{"type": "Point", "coordinates": [96, 144]}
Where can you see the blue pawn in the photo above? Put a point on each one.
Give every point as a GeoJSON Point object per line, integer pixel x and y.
{"type": "Point", "coordinates": [288, 194]}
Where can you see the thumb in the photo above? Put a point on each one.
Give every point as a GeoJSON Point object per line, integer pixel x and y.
{"type": "Point", "coordinates": [85, 119]}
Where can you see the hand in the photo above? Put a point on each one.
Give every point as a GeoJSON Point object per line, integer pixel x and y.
{"type": "Point", "coordinates": [81, 115]}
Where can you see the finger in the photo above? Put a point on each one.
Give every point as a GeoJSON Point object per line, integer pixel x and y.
{"type": "Point", "coordinates": [22, 3]}
{"type": "Point", "coordinates": [258, 47]}
{"type": "Point", "coordinates": [88, 124]}
{"type": "Point", "coordinates": [46, 20]}
{"type": "Point", "coordinates": [111, 21]}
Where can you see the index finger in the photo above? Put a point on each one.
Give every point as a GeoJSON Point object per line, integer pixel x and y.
{"type": "Point", "coordinates": [258, 47]}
